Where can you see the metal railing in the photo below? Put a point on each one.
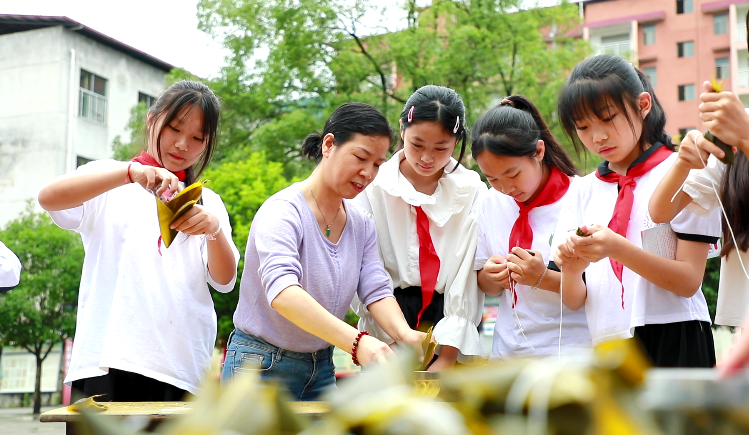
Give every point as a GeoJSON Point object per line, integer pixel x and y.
{"type": "Point", "coordinates": [622, 49]}
{"type": "Point", "coordinates": [92, 106]}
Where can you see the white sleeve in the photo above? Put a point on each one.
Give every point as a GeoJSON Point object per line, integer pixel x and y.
{"type": "Point", "coordinates": [464, 302]}
{"type": "Point", "coordinates": [699, 186]}
{"type": "Point", "coordinates": [697, 228]}
{"type": "Point", "coordinates": [213, 201]}
{"type": "Point", "coordinates": [10, 269]}
{"type": "Point", "coordinates": [483, 245]}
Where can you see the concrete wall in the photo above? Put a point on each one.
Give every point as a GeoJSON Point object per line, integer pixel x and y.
{"type": "Point", "coordinates": [35, 88]}
{"type": "Point", "coordinates": [671, 70]}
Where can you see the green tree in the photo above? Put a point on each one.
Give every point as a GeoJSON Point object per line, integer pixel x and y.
{"type": "Point", "coordinates": [40, 312]}
{"type": "Point", "coordinates": [136, 126]}
{"type": "Point", "coordinates": [243, 186]}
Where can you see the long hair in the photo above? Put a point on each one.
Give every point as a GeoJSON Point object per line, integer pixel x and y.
{"type": "Point", "coordinates": [441, 104]}
{"type": "Point", "coordinates": [188, 94]}
{"type": "Point", "coordinates": [346, 121]}
{"type": "Point", "coordinates": [604, 80]}
{"type": "Point", "coordinates": [513, 128]}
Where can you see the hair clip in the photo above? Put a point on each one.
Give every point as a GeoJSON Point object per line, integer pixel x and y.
{"type": "Point", "coordinates": [457, 125]}
{"type": "Point", "coordinates": [506, 101]}
{"type": "Point", "coordinates": [411, 114]}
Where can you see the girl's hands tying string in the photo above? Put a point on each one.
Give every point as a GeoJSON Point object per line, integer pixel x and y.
{"type": "Point", "coordinates": [151, 177]}
{"type": "Point", "coordinates": [496, 270]}
{"type": "Point", "coordinates": [601, 243]}
{"type": "Point", "coordinates": [525, 268]}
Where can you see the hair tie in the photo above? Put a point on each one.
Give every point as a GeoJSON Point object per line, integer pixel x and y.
{"type": "Point", "coordinates": [411, 114]}
{"type": "Point", "coordinates": [457, 125]}
{"type": "Point", "coordinates": [505, 101]}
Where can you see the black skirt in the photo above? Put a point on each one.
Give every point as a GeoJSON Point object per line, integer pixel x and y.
{"type": "Point", "coordinates": [410, 301]}
{"type": "Point", "coordinates": [679, 344]}
{"type": "Point", "coordinates": [122, 386]}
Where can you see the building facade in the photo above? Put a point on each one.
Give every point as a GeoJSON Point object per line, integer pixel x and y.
{"type": "Point", "coordinates": [67, 91]}
{"type": "Point", "coordinates": [678, 44]}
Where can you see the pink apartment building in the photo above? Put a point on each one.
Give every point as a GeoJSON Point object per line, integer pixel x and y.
{"type": "Point", "coordinates": [679, 44]}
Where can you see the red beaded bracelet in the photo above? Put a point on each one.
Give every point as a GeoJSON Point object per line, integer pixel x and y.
{"type": "Point", "coordinates": [356, 346]}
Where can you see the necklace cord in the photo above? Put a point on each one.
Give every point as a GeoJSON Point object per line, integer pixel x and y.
{"type": "Point", "coordinates": [327, 225]}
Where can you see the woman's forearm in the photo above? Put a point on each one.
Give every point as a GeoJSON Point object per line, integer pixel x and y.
{"type": "Point", "coordinates": [73, 189]}
{"type": "Point", "coordinates": [388, 315]}
{"type": "Point", "coordinates": [301, 309]}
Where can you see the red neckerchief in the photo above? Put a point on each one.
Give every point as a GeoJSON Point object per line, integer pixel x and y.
{"type": "Point", "coordinates": [522, 233]}
{"type": "Point", "coordinates": [146, 159]}
{"type": "Point", "coordinates": [429, 261]}
{"type": "Point", "coordinates": [651, 158]}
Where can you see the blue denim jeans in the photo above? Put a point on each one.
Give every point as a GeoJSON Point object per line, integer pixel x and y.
{"type": "Point", "coordinates": [304, 375]}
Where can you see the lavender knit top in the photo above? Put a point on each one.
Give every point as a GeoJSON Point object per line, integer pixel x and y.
{"type": "Point", "coordinates": [286, 248]}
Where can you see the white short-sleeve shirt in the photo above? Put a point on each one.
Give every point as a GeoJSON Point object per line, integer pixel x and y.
{"type": "Point", "coordinates": [538, 311]}
{"type": "Point", "coordinates": [138, 310]}
{"type": "Point", "coordinates": [10, 268]}
{"type": "Point", "coordinates": [591, 201]}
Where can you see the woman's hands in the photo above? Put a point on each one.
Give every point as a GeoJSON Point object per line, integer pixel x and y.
{"type": "Point", "coordinates": [151, 177]}
{"type": "Point", "coordinates": [196, 221]}
{"type": "Point", "coordinates": [525, 268]}
{"type": "Point", "coordinates": [725, 117]}
{"type": "Point", "coordinates": [372, 351]}
{"type": "Point", "coordinates": [694, 151]}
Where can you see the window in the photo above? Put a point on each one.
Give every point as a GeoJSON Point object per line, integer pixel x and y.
{"type": "Point", "coordinates": [684, 6]}
{"type": "Point", "coordinates": [650, 72]}
{"type": "Point", "coordinates": [80, 161]}
{"type": "Point", "coordinates": [686, 92]}
{"type": "Point", "coordinates": [720, 24]}
{"type": "Point", "coordinates": [685, 49]}
{"type": "Point", "coordinates": [618, 45]}
{"type": "Point", "coordinates": [145, 98]}
{"type": "Point", "coordinates": [721, 68]}
{"type": "Point", "coordinates": [92, 97]}
{"type": "Point", "coordinates": [648, 34]}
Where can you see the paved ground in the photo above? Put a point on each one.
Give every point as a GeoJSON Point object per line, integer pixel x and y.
{"type": "Point", "coordinates": [19, 421]}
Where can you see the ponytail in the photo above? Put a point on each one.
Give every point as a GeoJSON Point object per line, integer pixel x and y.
{"type": "Point", "coordinates": [312, 146]}
{"type": "Point", "coordinates": [513, 128]}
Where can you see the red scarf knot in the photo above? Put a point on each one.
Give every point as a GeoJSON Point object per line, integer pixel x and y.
{"type": "Point", "coordinates": [623, 209]}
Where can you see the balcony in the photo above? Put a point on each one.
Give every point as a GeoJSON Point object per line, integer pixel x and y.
{"type": "Point", "coordinates": [621, 49]}
{"type": "Point", "coordinates": [740, 32]}
{"type": "Point", "coordinates": [743, 81]}
{"type": "Point", "coordinates": [92, 106]}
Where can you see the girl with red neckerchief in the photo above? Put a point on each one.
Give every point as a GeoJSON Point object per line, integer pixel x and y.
{"type": "Point", "coordinates": [610, 107]}
{"type": "Point", "coordinates": [530, 174]}
{"type": "Point", "coordinates": [146, 326]}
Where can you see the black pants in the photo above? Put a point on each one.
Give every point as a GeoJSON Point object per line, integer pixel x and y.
{"type": "Point", "coordinates": [409, 299]}
{"type": "Point", "coordinates": [122, 386]}
{"type": "Point", "coordinates": [679, 344]}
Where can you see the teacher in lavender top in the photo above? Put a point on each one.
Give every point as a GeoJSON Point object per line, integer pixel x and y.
{"type": "Point", "coordinates": [309, 251]}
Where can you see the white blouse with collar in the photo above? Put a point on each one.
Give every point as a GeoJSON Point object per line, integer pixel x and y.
{"type": "Point", "coordinates": [452, 211]}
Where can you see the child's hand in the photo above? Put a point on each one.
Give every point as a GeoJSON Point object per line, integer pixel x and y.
{"type": "Point", "coordinates": [694, 150]}
{"type": "Point", "coordinates": [725, 117]}
{"type": "Point", "coordinates": [601, 243]}
{"type": "Point", "coordinates": [196, 221]}
{"type": "Point", "coordinates": [566, 259]}
{"type": "Point", "coordinates": [525, 268]}
{"type": "Point", "coordinates": [496, 270]}
{"type": "Point", "coordinates": [151, 177]}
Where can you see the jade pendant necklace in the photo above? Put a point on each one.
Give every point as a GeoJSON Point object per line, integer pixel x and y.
{"type": "Point", "coordinates": [327, 227]}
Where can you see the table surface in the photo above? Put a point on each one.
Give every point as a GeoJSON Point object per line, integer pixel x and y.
{"type": "Point", "coordinates": [162, 410]}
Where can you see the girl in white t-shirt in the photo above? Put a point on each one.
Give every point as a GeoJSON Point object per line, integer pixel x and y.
{"type": "Point", "coordinates": [610, 107]}
{"type": "Point", "coordinates": [146, 327]}
{"type": "Point", "coordinates": [425, 205]}
{"type": "Point", "coordinates": [530, 174]}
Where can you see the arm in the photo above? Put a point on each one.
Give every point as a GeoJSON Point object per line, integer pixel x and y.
{"type": "Point", "coordinates": [10, 269]}
{"type": "Point", "coordinates": [297, 306]}
{"type": "Point", "coordinates": [73, 189]}
{"type": "Point", "coordinates": [681, 276]}
{"type": "Point", "coordinates": [572, 286]}
{"type": "Point", "coordinates": [387, 313]}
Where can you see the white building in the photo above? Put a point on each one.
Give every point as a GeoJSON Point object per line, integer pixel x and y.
{"type": "Point", "coordinates": [66, 93]}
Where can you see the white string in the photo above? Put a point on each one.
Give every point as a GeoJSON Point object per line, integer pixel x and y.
{"type": "Point", "coordinates": [561, 310]}
{"type": "Point", "coordinates": [515, 311]}
{"type": "Point", "coordinates": [722, 209]}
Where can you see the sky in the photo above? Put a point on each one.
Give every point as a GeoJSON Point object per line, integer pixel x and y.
{"type": "Point", "coordinates": [165, 29]}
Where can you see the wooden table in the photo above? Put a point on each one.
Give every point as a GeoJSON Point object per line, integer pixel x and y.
{"type": "Point", "coordinates": [156, 412]}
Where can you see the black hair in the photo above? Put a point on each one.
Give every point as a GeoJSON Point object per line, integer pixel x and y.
{"type": "Point", "coordinates": [441, 104]}
{"type": "Point", "coordinates": [606, 80]}
{"type": "Point", "coordinates": [513, 128]}
{"type": "Point", "coordinates": [346, 121]}
{"type": "Point", "coordinates": [188, 94]}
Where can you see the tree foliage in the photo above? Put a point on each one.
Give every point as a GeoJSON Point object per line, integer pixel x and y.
{"type": "Point", "coordinates": [243, 186]}
{"type": "Point", "coordinates": [41, 310]}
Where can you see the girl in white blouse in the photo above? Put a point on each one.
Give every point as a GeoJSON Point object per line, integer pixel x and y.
{"type": "Point", "coordinates": [424, 204]}
{"type": "Point", "coordinates": [530, 174]}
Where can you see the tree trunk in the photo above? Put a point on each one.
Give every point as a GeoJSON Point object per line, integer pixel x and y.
{"type": "Point", "coordinates": [38, 384]}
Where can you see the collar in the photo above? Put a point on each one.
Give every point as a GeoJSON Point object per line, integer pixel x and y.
{"type": "Point", "coordinates": [603, 167]}
{"type": "Point", "coordinates": [454, 189]}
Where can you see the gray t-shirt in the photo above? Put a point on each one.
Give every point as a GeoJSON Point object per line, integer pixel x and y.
{"type": "Point", "coordinates": [286, 248]}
